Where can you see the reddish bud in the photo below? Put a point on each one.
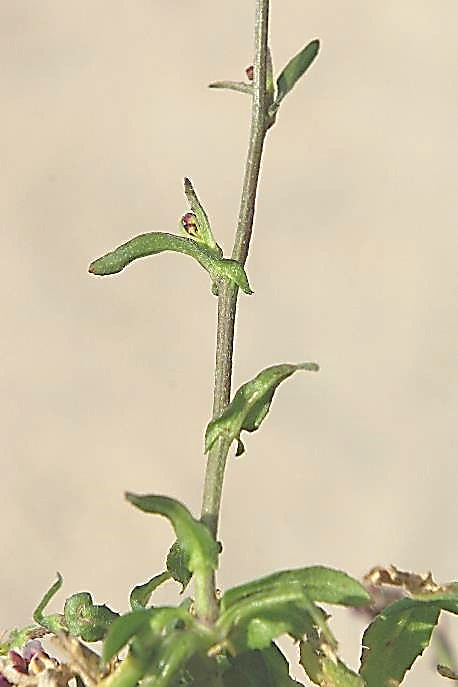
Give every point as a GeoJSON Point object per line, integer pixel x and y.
{"type": "Point", "coordinates": [249, 71]}
{"type": "Point", "coordinates": [189, 223]}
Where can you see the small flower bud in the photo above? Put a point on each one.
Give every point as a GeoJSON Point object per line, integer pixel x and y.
{"type": "Point", "coordinates": [249, 71]}
{"type": "Point", "coordinates": [189, 223]}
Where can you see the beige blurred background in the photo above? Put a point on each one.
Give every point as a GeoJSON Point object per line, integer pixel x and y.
{"type": "Point", "coordinates": [105, 383]}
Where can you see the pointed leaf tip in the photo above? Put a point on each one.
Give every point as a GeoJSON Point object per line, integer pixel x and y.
{"type": "Point", "coordinates": [250, 404]}
{"type": "Point", "coordinates": [293, 71]}
{"type": "Point", "coordinates": [204, 235]}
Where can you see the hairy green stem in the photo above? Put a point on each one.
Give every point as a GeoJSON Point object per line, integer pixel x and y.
{"type": "Point", "coordinates": [227, 299]}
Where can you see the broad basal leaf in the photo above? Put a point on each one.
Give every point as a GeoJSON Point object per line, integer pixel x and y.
{"type": "Point", "coordinates": [193, 536]}
{"type": "Point", "coordinates": [267, 668]}
{"type": "Point", "coordinates": [156, 242]}
{"type": "Point", "coordinates": [250, 404]}
{"type": "Point", "coordinates": [397, 636]}
{"type": "Point", "coordinates": [87, 620]}
{"type": "Point", "coordinates": [321, 584]}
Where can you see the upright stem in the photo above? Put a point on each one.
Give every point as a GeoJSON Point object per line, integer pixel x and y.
{"type": "Point", "coordinates": [227, 299]}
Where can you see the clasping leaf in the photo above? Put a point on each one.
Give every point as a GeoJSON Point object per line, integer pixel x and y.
{"type": "Point", "coordinates": [202, 247]}
{"type": "Point", "coordinates": [193, 537]}
{"type": "Point", "coordinates": [156, 242]}
{"type": "Point", "coordinates": [178, 565]}
{"type": "Point", "coordinates": [250, 405]}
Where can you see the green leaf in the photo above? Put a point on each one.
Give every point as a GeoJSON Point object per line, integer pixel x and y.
{"type": "Point", "coordinates": [173, 653]}
{"type": "Point", "coordinates": [321, 584]}
{"type": "Point", "coordinates": [87, 620]}
{"type": "Point", "coordinates": [261, 631]}
{"type": "Point", "coordinates": [267, 668]}
{"type": "Point", "coordinates": [446, 597]}
{"type": "Point", "coordinates": [147, 627]}
{"type": "Point", "coordinates": [203, 233]}
{"type": "Point", "coordinates": [178, 565]}
{"type": "Point", "coordinates": [122, 630]}
{"type": "Point", "coordinates": [326, 669]}
{"type": "Point", "coordinates": [141, 594]}
{"type": "Point", "coordinates": [240, 86]}
{"type": "Point", "coordinates": [293, 71]}
{"type": "Point", "coordinates": [166, 619]}
{"type": "Point", "coordinates": [257, 620]}
{"type": "Point", "coordinates": [156, 242]}
{"type": "Point", "coordinates": [250, 404]}
{"type": "Point", "coordinates": [54, 622]}
{"type": "Point", "coordinates": [397, 636]}
{"type": "Point", "coordinates": [128, 673]}
{"type": "Point", "coordinates": [193, 537]}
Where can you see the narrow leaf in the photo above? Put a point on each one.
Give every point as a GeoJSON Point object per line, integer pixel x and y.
{"type": "Point", "coordinates": [326, 669]}
{"type": "Point", "coordinates": [53, 622]}
{"type": "Point", "coordinates": [156, 242]}
{"type": "Point", "coordinates": [193, 536]}
{"type": "Point", "coordinates": [240, 86]}
{"type": "Point", "coordinates": [395, 639]}
{"type": "Point", "coordinates": [321, 584]}
{"type": "Point", "coordinates": [250, 404]}
{"type": "Point", "coordinates": [122, 630]}
{"type": "Point", "coordinates": [203, 233]}
{"type": "Point", "coordinates": [295, 68]}
{"type": "Point", "coordinates": [141, 594]}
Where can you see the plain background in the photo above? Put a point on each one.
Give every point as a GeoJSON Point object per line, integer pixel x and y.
{"type": "Point", "coordinates": [105, 383]}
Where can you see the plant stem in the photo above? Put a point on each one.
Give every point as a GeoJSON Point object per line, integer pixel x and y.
{"type": "Point", "coordinates": [227, 298]}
